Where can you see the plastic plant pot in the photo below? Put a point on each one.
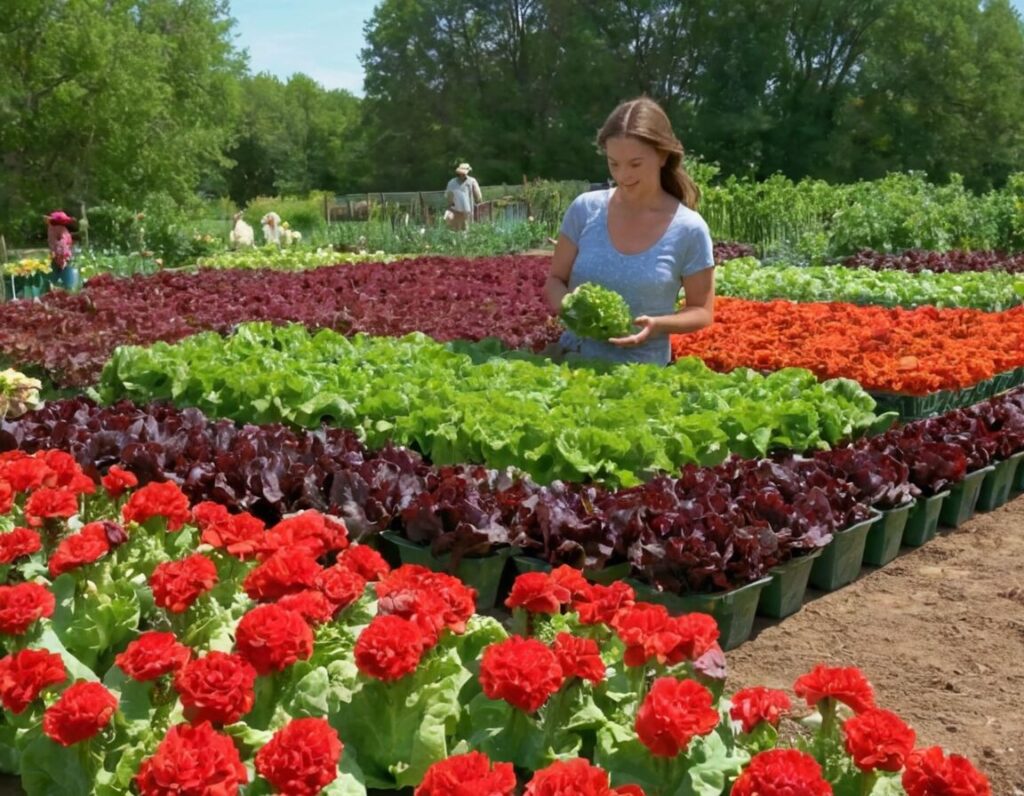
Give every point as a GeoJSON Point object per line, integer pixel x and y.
{"type": "Point", "coordinates": [996, 487]}
{"type": "Point", "coordinates": [886, 535]}
{"type": "Point", "coordinates": [923, 520]}
{"type": "Point", "coordinates": [963, 498]}
{"type": "Point", "coordinates": [841, 559]}
{"type": "Point", "coordinates": [784, 595]}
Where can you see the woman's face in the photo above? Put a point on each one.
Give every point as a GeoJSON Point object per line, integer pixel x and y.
{"type": "Point", "coordinates": [634, 165]}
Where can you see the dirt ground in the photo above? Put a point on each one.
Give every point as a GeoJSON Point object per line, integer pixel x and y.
{"type": "Point", "coordinates": [940, 634]}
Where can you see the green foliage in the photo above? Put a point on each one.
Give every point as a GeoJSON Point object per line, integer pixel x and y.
{"type": "Point", "coordinates": [470, 403]}
{"type": "Point", "coordinates": [594, 311]}
{"type": "Point", "coordinates": [992, 291]}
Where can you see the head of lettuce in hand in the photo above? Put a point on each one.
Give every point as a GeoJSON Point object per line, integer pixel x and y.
{"type": "Point", "coordinates": [596, 312]}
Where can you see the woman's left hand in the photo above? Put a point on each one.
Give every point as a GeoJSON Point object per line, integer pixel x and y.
{"type": "Point", "coordinates": [646, 324]}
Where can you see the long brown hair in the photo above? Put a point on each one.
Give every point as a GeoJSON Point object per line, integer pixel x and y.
{"type": "Point", "coordinates": [643, 118]}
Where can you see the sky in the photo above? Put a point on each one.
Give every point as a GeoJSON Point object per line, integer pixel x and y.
{"type": "Point", "coordinates": [321, 38]}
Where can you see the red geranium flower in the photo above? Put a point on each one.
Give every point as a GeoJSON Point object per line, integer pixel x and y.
{"type": "Point", "coordinates": [930, 773]}
{"type": "Point", "coordinates": [6, 496]}
{"type": "Point", "coordinates": [18, 543]}
{"type": "Point", "coordinates": [523, 672]}
{"type": "Point", "coordinates": [27, 473]}
{"type": "Point", "coordinates": [47, 503]}
{"type": "Point", "coordinates": [272, 638]}
{"type": "Point", "coordinates": [468, 775]}
{"type": "Point", "coordinates": [117, 481]}
{"type": "Point", "coordinates": [287, 571]}
{"type": "Point", "coordinates": [311, 605]}
{"type": "Point", "coordinates": [153, 655]}
{"type": "Point", "coordinates": [302, 757]}
{"type": "Point", "coordinates": [845, 684]}
{"type": "Point", "coordinates": [538, 593]}
{"type": "Point", "coordinates": [217, 687]}
{"type": "Point", "coordinates": [389, 648]}
{"type": "Point", "coordinates": [241, 535]}
{"type": "Point", "coordinates": [67, 473]}
{"type": "Point", "coordinates": [192, 761]}
{"type": "Point", "coordinates": [158, 500]}
{"type": "Point", "coordinates": [22, 605]}
{"type": "Point", "coordinates": [26, 674]}
{"type": "Point", "coordinates": [579, 657]}
{"type": "Point", "coordinates": [648, 632]}
{"type": "Point", "coordinates": [432, 600]}
{"type": "Point", "coordinates": [696, 633]}
{"type": "Point", "coordinates": [576, 778]}
{"type": "Point", "coordinates": [311, 531]}
{"type": "Point", "coordinates": [878, 740]}
{"type": "Point", "coordinates": [85, 547]}
{"type": "Point", "coordinates": [754, 705]}
{"type": "Point", "coordinates": [340, 585]}
{"type": "Point", "coordinates": [599, 604]}
{"type": "Point", "coordinates": [365, 562]}
{"type": "Point", "coordinates": [673, 713]}
{"type": "Point", "coordinates": [178, 584]}
{"type": "Point", "coordinates": [782, 772]}
{"type": "Point", "coordinates": [83, 710]}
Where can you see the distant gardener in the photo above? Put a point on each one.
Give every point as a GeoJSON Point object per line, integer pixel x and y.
{"type": "Point", "coordinates": [463, 194]}
{"type": "Point", "coordinates": [641, 239]}
{"type": "Point", "coordinates": [62, 273]}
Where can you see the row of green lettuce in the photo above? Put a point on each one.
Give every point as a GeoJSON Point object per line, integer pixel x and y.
{"type": "Point", "coordinates": [462, 402]}
{"type": "Point", "coordinates": [991, 291]}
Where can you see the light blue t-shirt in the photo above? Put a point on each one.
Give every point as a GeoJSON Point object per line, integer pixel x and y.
{"type": "Point", "coordinates": [649, 281]}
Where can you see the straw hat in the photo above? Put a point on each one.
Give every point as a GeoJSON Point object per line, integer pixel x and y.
{"type": "Point", "coordinates": [463, 168]}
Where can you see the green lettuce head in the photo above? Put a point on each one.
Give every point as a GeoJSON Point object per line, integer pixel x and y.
{"type": "Point", "coordinates": [596, 312]}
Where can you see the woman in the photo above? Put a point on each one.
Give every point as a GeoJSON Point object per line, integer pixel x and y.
{"type": "Point", "coordinates": [62, 273]}
{"type": "Point", "coordinates": [642, 239]}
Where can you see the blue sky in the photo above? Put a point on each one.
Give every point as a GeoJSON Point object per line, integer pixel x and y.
{"type": "Point", "coordinates": [321, 38]}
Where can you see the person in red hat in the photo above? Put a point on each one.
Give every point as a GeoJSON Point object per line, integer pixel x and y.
{"type": "Point", "coordinates": [61, 271]}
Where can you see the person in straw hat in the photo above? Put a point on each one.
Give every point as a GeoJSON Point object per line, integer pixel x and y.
{"type": "Point", "coordinates": [462, 193]}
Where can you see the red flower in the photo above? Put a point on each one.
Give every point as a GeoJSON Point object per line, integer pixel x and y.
{"type": "Point", "coordinates": [85, 547]}
{"type": "Point", "coordinates": [272, 638]}
{"type": "Point", "coordinates": [178, 584]}
{"type": "Point", "coordinates": [673, 713]}
{"type": "Point", "coordinates": [48, 503]}
{"type": "Point", "coordinates": [311, 605]}
{"type": "Point", "coordinates": [287, 571]}
{"type": "Point", "coordinates": [523, 672]}
{"type": "Point", "coordinates": [599, 604]}
{"type": "Point", "coordinates": [22, 605]}
{"type": "Point", "coordinates": [117, 480]}
{"type": "Point", "coordinates": [158, 500]}
{"type": "Point", "coordinates": [468, 775]}
{"type": "Point", "coordinates": [153, 655]}
{"type": "Point", "coordinates": [26, 473]}
{"type": "Point", "coordinates": [217, 687]}
{"type": "Point", "coordinates": [192, 761]}
{"type": "Point", "coordinates": [241, 535]}
{"type": "Point", "coordinates": [26, 674]}
{"type": "Point", "coordinates": [696, 633]}
{"type": "Point", "coordinates": [302, 757]}
{"type": "Point", "coordinates": [878, 740]}
{"type": "Point", "coordinates": [845, 684]}
{"type": "Point", "coordinates": [576, 777]}
{"type": "Point", "coordinates": [6, 496]}
{"type": "Point", "coordinates": [433, 600]}
{"type": "Point", "coordinates": [66, 472]}
{"type": "Point", "coordinates": [18, 543]}
{"type": "Point", "coordinates": [782, 772]}
{"type": "Point", "coordinates": [340, 585]}
{"type": "Point", "coordinates": [930, 773]}
{"type": "Point", "coordinates": [754, 705]}
{"type": "Point", "coordinates": [389, 648]}
{"type": "Point", "coordinates": [310, 531]}
{"type": "Point", "coordinates": [647, 632]}
{"type": "Point", "coordinates": [365, 562]}
{"type": "Point", "coordinates": [579, 657]}
{"type": "Point", "coordinates": [83, 710]}
{"type": "Point", "coordinates": [538, 593]}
